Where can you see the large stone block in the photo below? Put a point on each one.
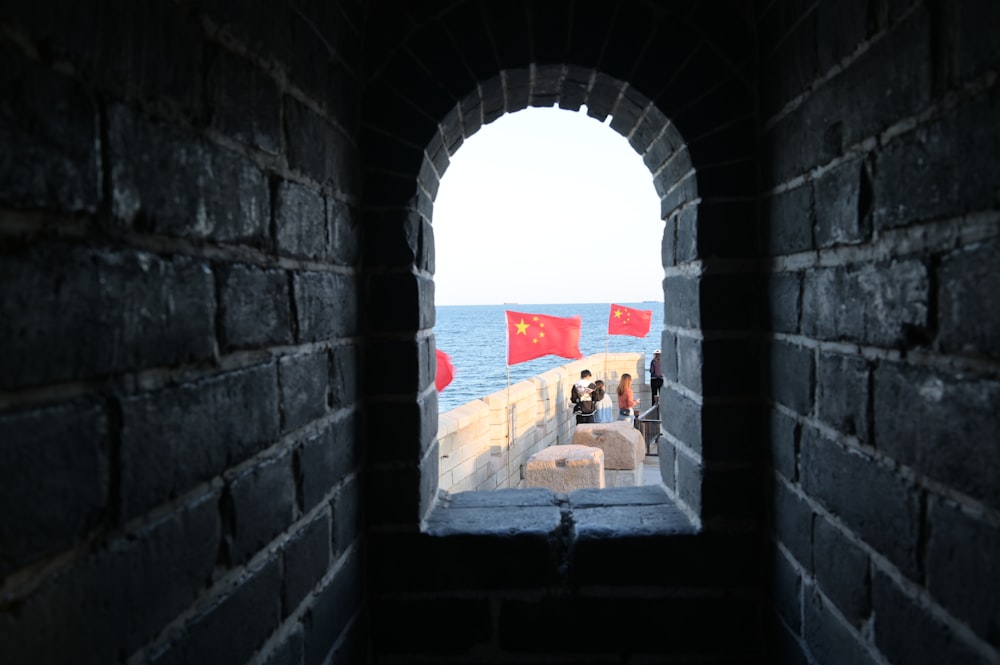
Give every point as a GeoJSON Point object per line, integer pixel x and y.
{"type": "Point", "coordinates": [565, 468]}
{"type": "Point", "coordinates": [622, 443]}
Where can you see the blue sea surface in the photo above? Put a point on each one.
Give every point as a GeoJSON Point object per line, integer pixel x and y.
{"type": "Point", "coordinates": [475, 337]}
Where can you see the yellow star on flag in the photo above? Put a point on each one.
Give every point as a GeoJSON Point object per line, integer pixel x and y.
{"type": "Point", "coordinates": [522, 327]}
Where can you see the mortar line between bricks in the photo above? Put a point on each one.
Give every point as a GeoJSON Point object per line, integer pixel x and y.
{"type": "Point", "coordinates": [969, 505]}
{"type": "Point", "coordinates": [846, 63]}
{"type": "Point", "coordinates": [117, 240]}
{"type": "Point", "coordinates": [916, 357]}
{"type": "Point", "coordinates": [920, 595]}
{"type": "Point", "coordinates": [153, 379]}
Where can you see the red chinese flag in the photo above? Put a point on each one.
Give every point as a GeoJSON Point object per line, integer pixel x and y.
{"type": "Point", "coordinates": [531, 336]}
{"type": "Point", "coordinates": [445, 370]}
{"type": "Point", "coordinates": [628, 321]}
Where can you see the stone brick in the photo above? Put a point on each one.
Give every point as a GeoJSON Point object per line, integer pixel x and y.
{"type": "Point", "coordinates": [843, 394]}
{"type": "Point", "coordinates": [840, 28]}
{"type": "Point", "coordinates": [175, 438]}
{"type": "Point", "coordinates": [244, 102]}
{"type": "Point", "coordinates": [254, 307]}
{"type": "Point", "coordinates": [788, 222]}
{"type": "Point", "coordinates": [793, 524]}
{"type": "Point", "coordinates": [783, 305]}
{"type": "Point", "coordinates": [169, 182]}
{"type": "Point", "coordinates": [682, 308]}
{"type": "Point", "coordinates": [156, 51]}
{"type": "Point", "coordinates": [76, 435]}
{"type": "Point", "coordinates": [689, 482]}
{"type": "Point", "coordinates": [796, 53]}
{"type": "Point", "coordinates": [849, 483]}
{"type": "Point", "coordinates": [880, 304]}
{"type": "Point", "coordinates": [906, 632]}
{"type": "Point", "coordinates": [783, 436]}
{"type": "Point", "coordinates": [318, 149]}
{"type": "Point", "coordinates": [261, 502]}
{"type": "Point", "coordinates": [792, 376]}
{"type": "Point", "coordinates": [98, 605]}
{"type": "Point", "coordinates": [289, 650]}
{"type": "Point", "coordinates": [224, 632]}
{"type": "Point", "coordinates": [306, 558]}
{"type": "Point", "coordinates": [345, 233]}
{"type": "Point", "coordinates": [968, 300]}
{"type": "Point", "coordinates": [685, 417]}
{"type": "Point", "coordinates": [684, 192]}
{"type": "Point", "coordinates": [336, 605]}
{"type": "Point", "coordinates": [344, 380]}
{"type": "Point", "coordinates": [347, 527]}
{"type": "Point", "coordinates": [941, 425]}
{"type": "Point", "coordinates": [962, 570]}
{"type": "Point", "coordinates": [839, 198]}
{"type": "Point", "coordinates": [324, 459]}
{"type": "Point", "coordinates": [668, 242]}
{"type": "Point", "coordinates": [77, 312]}
{"type": "Point", "coordinates": [70, 34]}
{"type": "Point", "coordinates": [976, 53]}
{"type": "Point", "coordinates": [787, 587]}
{"type": "Point", "coordinates": [783, 646]}
{"type": "Point", "coordinates": [304, 389]}
{"type": "Point", "coordinates": [890, 81]}
{"type": "Point", "coordinates": [841, 570]}
{"type": "Point", "coordinates": [49, 122]}
{"type": "Point", "coordinates": [687, 235]}
{"type": "Point", "coordinates": [669, 357]}
{"type": "Point", "coordinates": [300, 221]}
{"type": "Point", "coordinates": [326, 304]}
{"type": "Point", "coordinates": [828, 640]}
{"type": "Point", "coordinates": [940, 168]}
{"type": "Point", "coordinates": [690, 363]}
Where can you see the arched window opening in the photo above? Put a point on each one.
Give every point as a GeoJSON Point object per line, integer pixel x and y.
{"type": "Point", "coordinates": [547, 211]}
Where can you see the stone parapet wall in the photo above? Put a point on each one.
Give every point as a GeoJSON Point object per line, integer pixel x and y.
{"type": "Point", "coordinates": [484, 444]}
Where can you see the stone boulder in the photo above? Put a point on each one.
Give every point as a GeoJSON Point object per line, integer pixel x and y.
{"type": "Point", "coordinates": [565, 468]}
{"type": "Point", "coordinates": [623, 445]}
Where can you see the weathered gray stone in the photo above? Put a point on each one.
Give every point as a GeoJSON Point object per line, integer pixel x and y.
{"type": "Point", "coordinates": [565, 468]}
{"type": "Point", "coordinates": [622, 443]}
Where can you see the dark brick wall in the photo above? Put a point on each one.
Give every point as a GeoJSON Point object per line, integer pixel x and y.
{"type": "Point", "coordinates": [179, 379]}
{"type": "Point", "coordinates": [879, 127]}
{"type": "Point", "coordinates": [216, 217]}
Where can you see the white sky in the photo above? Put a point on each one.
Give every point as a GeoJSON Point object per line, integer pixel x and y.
{"type": "Point", "coordinates": [547, 206]}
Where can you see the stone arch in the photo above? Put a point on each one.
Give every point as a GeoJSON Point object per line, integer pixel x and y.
{"type": "Point", "coordinates": [430, 97]}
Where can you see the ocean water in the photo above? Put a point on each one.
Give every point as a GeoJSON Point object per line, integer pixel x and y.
{"type": "Point", "coordinates": [475, 338]}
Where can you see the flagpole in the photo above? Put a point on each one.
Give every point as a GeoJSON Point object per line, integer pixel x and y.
{"type": "Point", "coordinates": [510, 434]}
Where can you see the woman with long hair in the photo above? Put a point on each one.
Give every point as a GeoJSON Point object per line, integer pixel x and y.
{"type": "Point", "coordinates": [626, 400]}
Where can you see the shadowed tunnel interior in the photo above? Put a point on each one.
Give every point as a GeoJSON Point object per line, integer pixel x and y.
{"type": "Point", "coordinates": [216, 245]}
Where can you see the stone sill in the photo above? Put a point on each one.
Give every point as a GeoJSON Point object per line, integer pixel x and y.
{"type": "Point", "coordinates": [623, 512]}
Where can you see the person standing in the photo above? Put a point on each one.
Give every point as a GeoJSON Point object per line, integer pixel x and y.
{"type": "Point", "coordinates": [604, 407]}
{"type": "Point", "coordinates": [656, 376]}
{"type": "Point", "coordinates": [626, 399]}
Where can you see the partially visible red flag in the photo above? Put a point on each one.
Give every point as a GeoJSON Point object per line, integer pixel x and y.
{"type": "Point", "coordinates": [627, 321]}
{"type": "Point", "coordinates": [445, 370]}
{"type": "Point", "coordinates": [531, 336]}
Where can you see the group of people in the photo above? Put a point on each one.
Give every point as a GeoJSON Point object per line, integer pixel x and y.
{"type": "Point", "coordinates": [592, 404]}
